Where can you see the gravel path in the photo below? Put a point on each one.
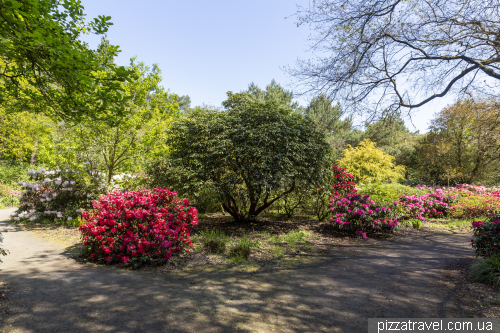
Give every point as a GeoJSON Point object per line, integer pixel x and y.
{"type": "Point", "coordinates": [394, 278]}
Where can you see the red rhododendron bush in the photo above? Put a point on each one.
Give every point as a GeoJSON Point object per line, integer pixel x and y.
{"type": "Point", "coordinates": [137, 227]}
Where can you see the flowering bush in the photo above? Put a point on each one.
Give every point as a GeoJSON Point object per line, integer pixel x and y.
{"type": "Point", "coordinates": [486, 239]}
{"type": "Point", "coordinates": [474, 206]}
{"type": "Point", "coordinates": [360, 213]}
{"type": "Point", "coordinates": [136, 227]}
{"type": "Point", "coordinates": [342, 182]}
{"type": "Point", "coordinates": [58, 195]}
{"type": "Point", "coordinates": [433, 205]}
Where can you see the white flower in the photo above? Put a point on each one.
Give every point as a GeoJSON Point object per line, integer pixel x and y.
{"type": "Point", "coordinates": [65, 183]}
{"type": "Point", "coordinates": [16, 218]}
{"type": "Point", "coordinates": [72, 182]}
{"type": "Point", "coordinates": [13, 214]}
{"type": "Point", "coordinates": [78, 210]}
{"type": "Point", "coordinates": [31, 172]}
{"type": "Point", "coordinates": [69, 218]}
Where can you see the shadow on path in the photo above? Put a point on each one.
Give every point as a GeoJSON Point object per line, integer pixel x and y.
{"type": "Point", "coordinates": [52, 293]}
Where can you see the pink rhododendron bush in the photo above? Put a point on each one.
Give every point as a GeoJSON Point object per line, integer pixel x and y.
{"type": "Point", "coordinates": [433, 205]}
{"type": "Point", "coordinates": [486, 239]}
{"type": "Point", "coordinates": [137, 227]}
{"type": "Point", "coordinates": [360, 214]}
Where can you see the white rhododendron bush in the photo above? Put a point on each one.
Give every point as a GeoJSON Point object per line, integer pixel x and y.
{"type": "Point", "coordinates": [55, 196]}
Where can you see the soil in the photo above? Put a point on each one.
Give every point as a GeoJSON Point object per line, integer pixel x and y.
{"type": "Point", "coordinates": [335, 286]}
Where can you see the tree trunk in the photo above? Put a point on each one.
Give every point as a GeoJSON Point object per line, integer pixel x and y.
{"type": "Point", "coordinates": [33, 154]}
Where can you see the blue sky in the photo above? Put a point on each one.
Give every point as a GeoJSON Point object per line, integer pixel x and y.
{"type": "Point", "coordinates": [206, 48]}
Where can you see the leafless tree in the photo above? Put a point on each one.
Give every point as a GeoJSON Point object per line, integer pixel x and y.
{"type": "Point", "coordinates": [398, 55]}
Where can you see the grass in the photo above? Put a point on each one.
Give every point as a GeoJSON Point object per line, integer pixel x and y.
{"type": "Point", "coordinates": [214, 240]}
{"type": "Point", "coordinates": [486, 270]}
{"type": "Point", "coordinates": [292, 238]}
{"type": "Point", "coordinates": [451, 223]}
{"type": "Point", "coordinates": [242, 248]}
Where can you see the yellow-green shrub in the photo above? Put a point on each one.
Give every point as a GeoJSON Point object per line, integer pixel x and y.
{"type": "Point", "coordinates": [367, 163]}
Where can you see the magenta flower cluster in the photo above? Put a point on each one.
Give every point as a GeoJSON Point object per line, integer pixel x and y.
{"type": "Point", "coordinates": [433, 205]}
{"type": "Point", "coordinates": [136, 227]}
{"type": "Point", "coordinates": [358, 212]}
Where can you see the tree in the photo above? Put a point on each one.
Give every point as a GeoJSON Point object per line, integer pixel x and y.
{"type": "Point", "coordinates": [127, 144]}
{"type": "Point", "coordinates": [46, 68]}
{"type": "Point", "coordinates": [463, 143]}
{"type": "Point", "coordinates": [252, 153]}
{"type": "Point", "coordinates": [367, 163]}
{"type": "Point", "coordinates": [391, 135]}
{"type": "Point", "coordinates": [397, 54]}
{"type": "Point", "coordinates": [274, 92]}
{"type": "Point", "coordinates": [25, 137]}
{"type": "Point", "coordinates": [328, 119]}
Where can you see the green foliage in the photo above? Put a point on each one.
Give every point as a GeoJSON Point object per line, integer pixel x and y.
{"type": "Point", "coordinates": [252, 154]}
{"type": "Point", "coordinates": [367, 163]}
{"type": "Point", "coordinates": [129, 143]}
{"type": "Point", "coordinates": [11, 173]}
{"type": "Point", "coordinates": [486, 270]}
{"type": "Point", "coordinates": [65, 78]}
{"type": "Point", "coordinates": [316, 203]}
{"type": "Point", "coordinates": [388, 192]}
{"type": "Point", "coordinates": [274, 92]}
{"type": "Point", "coordinates": [462, 144]}
{"type": "Point", "coordinates": [331, 120]}
{"type": "Point", "coordinates": [214, 240]}
{"type": "Point", "coordinates": [25, 137]}
{"type": "Point", "coordinates": [161, 173]}
{"type": "Point", "coordinates": [9, 201]}
{"type": "Point", "coordinates": [242, 248]}
{"type": "Point", "coordinates": [393, 137]}
{"type": "Point", "coordinates": [416, 223]}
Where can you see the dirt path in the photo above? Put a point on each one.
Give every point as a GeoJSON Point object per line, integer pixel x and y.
{"type": "Point", "coordinates": [394, 278]}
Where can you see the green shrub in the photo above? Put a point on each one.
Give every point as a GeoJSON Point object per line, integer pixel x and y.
{"type": "Point", "coordinates": [486, 270]}
{"type": "Point", "coordinates": [214, 240]}
{"type": "Point", "coordinates": [388, 192]}
{"type": "Point", "coordinates": [242, 248]}
{"type": "Point", "coordinates": [416, 223]}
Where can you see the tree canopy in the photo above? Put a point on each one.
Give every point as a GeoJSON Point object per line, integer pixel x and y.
{"type": "Point", "coordinates": [391, 54]}
{"type": "Point", "coordinates": [252, 153]}
{"type": "Point", "coordinates": [463, 145]}
{"type": "Point", "coordinates": [46, 68]}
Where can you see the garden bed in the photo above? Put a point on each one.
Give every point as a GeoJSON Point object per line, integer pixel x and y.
{"type": "Point", "coordinates": [277, 242]}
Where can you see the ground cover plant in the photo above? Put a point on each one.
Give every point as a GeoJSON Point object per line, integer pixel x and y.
{"type": "Point", "coordinates": [137, 227]}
